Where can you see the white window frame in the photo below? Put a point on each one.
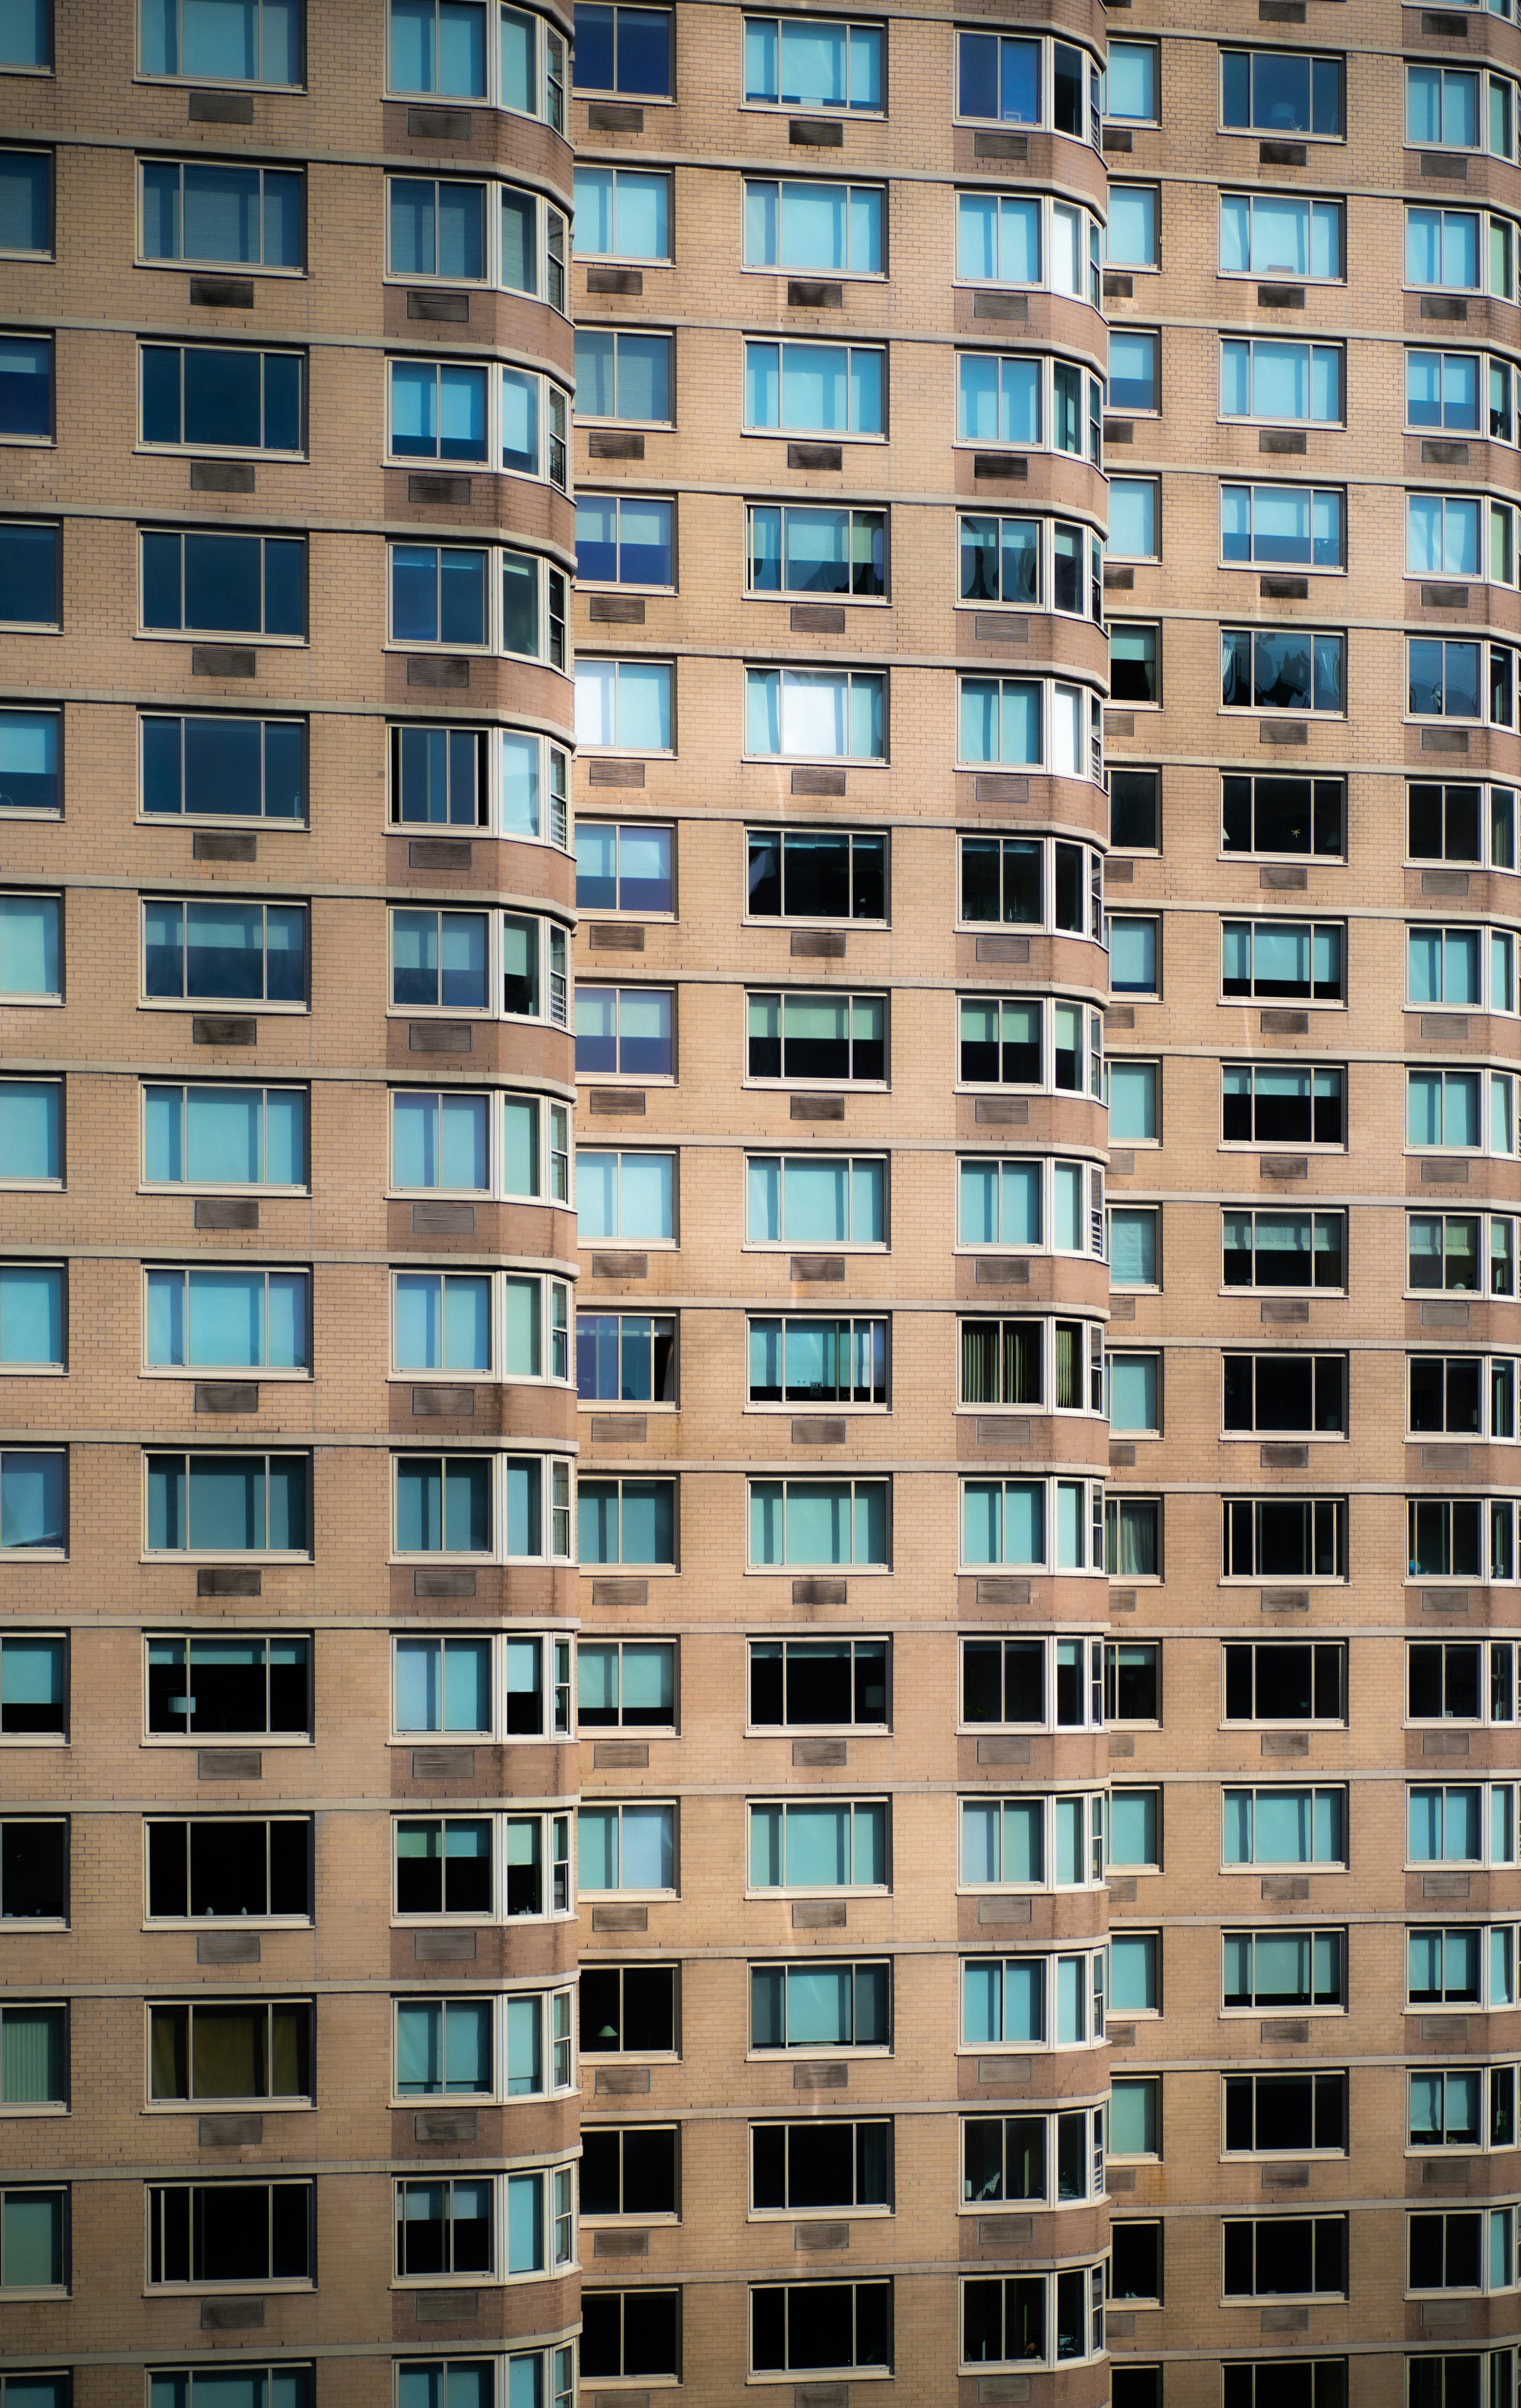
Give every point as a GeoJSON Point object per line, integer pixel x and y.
{"type": "Point", "coordinates": [547, 218]}
{"type": "Point", "coordinates": [497, 1551]}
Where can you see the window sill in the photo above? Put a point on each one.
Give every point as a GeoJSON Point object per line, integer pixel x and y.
{"type": "Point", "coordinates": [220, 450]}
{"type": "Point", "coordinates": [188, 1556]}
{"type": "Point", "coordinates": [34, 1370]}
{"type": "Point", "coordinates": [642, 1246]}
{"type": "Point", "coordinates": [825, 2373]}
{"type": "Point", "coordinates": [616, 1570]}
{"type": "Point", "coordinates": [622, 752]}
{"type": "Point", "coordinates": [637, 1407]}
{"type": "Point", "coordinates": [779, 268]}
{"type": "Point", "coordinates": [814, 1731]}
{"type": "Point", "coordinates": [615, 259]}
{"type": "Point", "coordinates": [1048, 1413]}
{"type": "Point", "coordinates": [245, 636]}
{"type": "Point", "coordinates": [1270, 1438]}
{"type": "Point", "coordinates": [818, 1405]}
{"type": "Point", "coordinates": [636, 1079]}
{"type": "Point", "coordinates": [10, 814]}
{"type": "Point", "coordinates": [157, 2107]}
{"type": "Point", "coordinates": [231, 823]}
{"type": "Point", "coordinates": [261, 1372]}
{"type": "Point", "coordinates": [643, 426]}
{"type": "Point", "coordinates": [1235, 711]}
{"type": "Point", "coordinates": [31, 1002]}
{"type": "Point", "coordinates": [779, 1896]}
{"type": "Point", "coordinates": [241, 1006]}
{"type": "Point", "coordinates": [777, 921]}
{"type": "Point", "coordinates": [814, 760]}
{"type": "Point", "coordinates": [39, 2108]}
{"type": "Point", "coordinates": [814, 2216]}
{"type": "Point", "coordinates": [187, 1188]}
{"type": "Point", "coordinates": [799, 1085]}
{"type": "Point", "coordinates": [817, 434]}
{"type": "Point", "coordinates": [628, 1896]}
{"type": "Point", "coordinates": [1291, 2007]}
{"type": "Point", "coordinates": [442, 1562]}
{"type": "Point", "coordinates": [282, 1739]}
{"type": "Point", "coordinates": [785, 108]}
{"type": "Point", "coordinates": [791, 594]}
{"type": "Point", "coordinates": [1329, 1295]}
{"type": "Point", "coordinates": [479, 1922]}
{"type": "Point", "coordinates": [239, 267]}
{"type": "Point", "coordinates": [781, 1247]}
{"type": "Point", "coordinates": [1314, 1725]}
{"type": "Point", "coordinates": [228, 1923]}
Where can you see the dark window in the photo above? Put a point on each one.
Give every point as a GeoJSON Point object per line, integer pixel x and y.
{"type": "Point", "coordinates": [797, 1361]}
{"type": "Point", "coordinates": [816, 874]}
{"type": "Point", "coordinates": [1286, 1391]}
{"type": "Point", "coordinates": [811, 1680]}
{"type": "Point", "coordinates": [1289, 1537]}
{"type": "Point", "coordinates": [244, 2051]}
{"type": "Point", "coordinates": [623, 868]}
{"type": "Point", "coordinates": [621, 541]}
{"type": "Point", "coordinates": [223, 399]}
{"type": "Point", "coordinates": [1004, 2158]}
{"type": "Point", "coordinates": [33, 1871]}
{"type": "Point", "coordinates": [1446, 1394]}
{"type": "Point", "coordinates": [438, 776]}
{"type": "Point", "coordinates": [1136, 2261]}
{"type": "Point", "coordinates": [1135, 810]}
{"type": "Point", "coordinates": [797, 2327]}
{"type": "Point", "coordinates": [225, 584]}
{"type": "Point", "coordinates": [802, 550]}
{"type": "Point", "coordinates": [631, 2332]}
{"type": "Point", "coordinates": [1280, 1106]}
{"type": "Point", "coordinates": [625, 1357]}
{"type": "Point", "coordinates": [631, 2172]}
{"type": "Point", "coordinates": [824, 2164]}
{"type": "Point", "coordinates": [1134, 662]}
{"type": "Point", "coordinates": [1446, 2253]}
{"type": "Point", "coordinates": [1135, 2387]}
{"type": "Point", "coordinates": [439, 594]}
{"type": "Point", "coordinates": [445, 1867]}
{"type": "Point", "coordinates": [1278, 1681]}
{"type": "Point", "coordinates": [1445, 1537]}
{"type": "Point", "coordinates": [1281, 91]}
{"type": "Point", "coordinates": [1276, 958]}
{"type": "Point", "coordinates": [224, 952]}
{"type": "Point", "coordinates": [1297, 816]}
{"type": "Point", "coordinates": [1266, 670]}
{"type": "Point", "coordinates": [230, 2233]}
{"type": "Point", "coordinates": [623, 50]}
{"type": "Point", "coordinates": [30, 561]}
{"type": "Point", "coordinates": [1286, 2254]}
{"type": "Point", "coordinates": [802, 1036]}
{"type": "Point", "coordinates": [1447, 824]}
{"type": "Point", "coordinates": [1286, 2111]}
{"type": "Point", "coordinates": [229, 1867]}
{"type": "Point", "coordinates": [1445, 1682]}
{"type": "Point", "coordinates": [34, 1685]}
{"type": "Point", "coordinates": [198, 1687]}
{"type": "Point", "coordinates": [628, 2009]}
{"type": "Point", "coordinates": [26, 385]}
{"type": "Point", "coordinates": [1302, 2383]}
{"type": "Point", "coordinates": [1004, 2319]}
{"type": "Point", "coordinates": [224, 768]}
{"type": "Point", "coordinates": [1285, 1249]}
{"type": "Point", "coordinates": [444, 2228]}
{"type": "Point", "coordinates": [25, 201]}
{"type": "Point", "coordinates": [1132, 1681]}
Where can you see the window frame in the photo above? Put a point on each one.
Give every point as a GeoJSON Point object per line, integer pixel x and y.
{"type": "Point", "coordinates": [1310, 347]}
{"type": "Point", "coordinates": [547, 1992]}
{"type": "Point", "coordinates": [1334, 202]}
{"type": "Point", "coordinates": [179, 75]}
{"type": "Point", "coordinates": [497, 1912]}
{"type": "Point", "coordinates": [1091, 1525]}
{"type": "Point", "coordinates": [780, 343]}
{"type": "Point", "coordinates": [552, 267]}
{"type": "Point", "coordinates": [272, 349]}
{"type": "Point", "coordinates": [555, 1319]}
{"type": "Point", "coordinates": [551, 89]}
{"type": "Point", "coordinates": [499, 1459]}
{"type": "Point", "coordinates": [260, 2003]}
{"type": "Point", "coordinates": [549, 388]}
{"type": "Point", "coordinates": [183, 260]}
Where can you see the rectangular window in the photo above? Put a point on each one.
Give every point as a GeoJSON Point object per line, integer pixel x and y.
{"type": "Point", "coordinates": [1006, 2160]}
{"type": "Point", "coordinates": [223, 769]}
{"type": "Point", "coordinates": [1284, 1827]}
{"type": "Point", "coordinates": [1278, 92]}
{"type": "Point", "coordinates": [624, 869]}
{"type": "Point", "coordinates": [249, 41]}
{"type": "Point", "coordinates": [799, 2327]}
{"type": "Point", "coordinates": [1442, 107]}
{"type": "Point", "coordinates": [832, 1036]}
{"type": "Point", "coordinates": [1447, 1967]}
{"type": "Point", "coordinates": [250, 2049]}
{"type": "Point", "coordinates": [1448, 1396]}
{"type": "Point", "coordinates": [1135, 518]}
{"type": "Point", "coordinates": [33, 1871]}
{"type": "Point", "coordinates": [813, 228]}
{"type": "Point", "coordinates": [443, 1140]}
{"type": "Point", "coordinates": [30, 776]}
{"type": "Point", "coordinates": [1446, 1682]}
{"type": "Point", "coordinates": [1041, 1683]}
{"type": "Point", "coordinates": [1296, 817]}
{"type": "Point", "coordinates": [623, 376]}
{"type": "Point", "coordinates": [813, 63]}
{"type": "Point", "coordinates": [630, 2171]}
{"type": "Point", "coordinates": [1034, 402]}
{"type": "Point", "coordinates": [1447, 1252]}
{"type": "Point", "coordinates": [1451, 823]}
{"type": "Point", "coordinates": [224, 584]}
{"type": "Point", "coordinates": [1444, 2111]}
{"type": "Point", "coordinates": [1287, 1538]}
{"type": "Point", "coordinates": [34, 2056]}
{"type": "Point", "coordinates": [1130, 87]}
{"type": "Point", "coordinates": [626, 1520]}
{"type": "Point", "coordinates": [441, 1322]}
{"type": "Point", "coordinates": [829, 2005]}
{"type": "Point", "coordinates": [1442, 390]}
{"type": "Point", "coordinates": [1278, 1681]}
{"type": "Point", "coordinates": [1290, 1250]}
{"type": "Point", "coordinates": [623, 541]}
{"type": "Point", "coordinates": [1038, 1522]}
{"type": "Point", "coordinates": [1264, 669]}
{"type": "Point", "coordinates": [1274, 234]}
{"type": "Point", "coordinates": [1293, 384]}
{"type": "Point", "coordinates": [450, 1505]}
{"type": "Point", "coordinates": [816, 874]}
{"type": "Point", "coordinates": [1024, 881]}
{"type": "Point", "coordinates": [811, 1199]}
{"type": "Point", "coordinates": [224, 952]}
{"type": "Point", "coordinates": [1462, 1825]}
{"type": "Point", "coordinates": [1467, 2251]}
{"type": "Point", "coordinates": [1136, 2264]}
{"type": "Point", "coordinates": [1024, 1841]}
{"type": "Point", "coordinates": [1135, 2119]}
{"type": "Point", "coordinates": [814, 389]}
{"type": "Point", "coordinates": [224, 1137]}
{"type": "Point", "coordinates": [31, 947]}
{"type": "Point", "coordinates": [1132, 237]}
{"type": "Point", "coordinates": [622, 214]}
{"type": "Point", "coordinates": [1443, 536]}
{"type": "Point", "coordinates": [32, 1317]}
{"type": "Point", "coordinates": [222, 398]}
{"type": "Point", "coordinates": [802, 550]}
{"type": "Point", "coordinates": [1006, 2001]}
{"type": "Point", "coordinates": [1449, 965]}
{"type": "Point", "coordinates": [1284, 1968]}
{"type": "Point", "coordinates": [1285, 1391]}
{"type": "Point", "coordinates": [999, 79]}
{"type": "Point", "coordinates": [626, 1685]}
{"type": "Point", "coordinates": [25, 202]}
{"type": "Point", "coordinates": [227, 1320]}
{"type": "Point", "coordinates": [439, 229]}
{"type": "Point", "coordinates": [216, 214]}
{"type": "Point", "coordinates": [806, 1684]}
{"type": "Point", "coordinates": [438, 412]}
{"type": "Point", "coordinates": [1132, 1092]}
{"type": "Point", "coordinates": [1001, 1044]}
{"type": "Point", "coordinates": [227, 1867]}
{"type": "Point", "coordinates": [250, 1686]}
{"type": "Point", "coordinates": [625, 1032]}
{"type": "Point", "coordinates": [1135, 798]}
{"type": "Point", "coordinates": [1132, 1392]}
{"type": "Point", "coordinates": [629, 2332]}
{"type": "Point", "coordinates": [1132, 1681]}
{"type": "Point", "coordinates": [628, 2011]}
{"type": "Point", "coordinates": [624, 706]}
{"type": "Point", "coordinates": [1444, 1109]}
{"type": "Point", "coordinates": [444, 2047]}
{"type": "Point", "coordinates": [820, 714]}
{"type": "Point", "coordinates": [26, 384]}
{"type": "Point", "coordinates": [1271, 2114]}
{"type": "Point", "coordinates": [1282, 1107]}
{"type": "Point", "coordinates": [230, 2233]}
{"type": "Point", "coordinates": [31, 574]}
{"type": "Point", "coordinates": [829, 1522]}
{"type": "Point", "coordinates": [1134, 956]}
{"type": "Point", "coordinates": [1443, 248]}
{"type": "Point", "coordinates": [623, 50]}
{"type": "Point", "coordinates": [1133, 1538]}
{"type": "Point", "coordinates": [33, 1499]}
{"type": "Point", "coordinates": [795, 1361]}
{"type": "Point", "coordinates": [630, 1196]}
{"type": "Point", "coordinates": [628, 1848]}
{"type": "Point", "coordinates": [832, 2164]}
{"type": "Point", "coordinates": [1270, 527]}
{"type": "Point", "coordinates": [1030, 1203]}
{"type": "Point", "coordinates": [626, 1359]}
{"type": "Point", "coordinates": [33, 1686]}
{"type": "Point", "coordinates": [1135, 663]}
{"type": "Point", "coordinates": [1022, 2319]}
{"type": "Point", "coordinates": [227, 1504]}
{"type": "Point", "coordinates": [1446, 678]}
{"type": "Point", "coordinates": [1014, 1363]}
{"type": "Point", "coordinates": [1135, 1246]}
{"type": "Point", "coordinates": [34, 2246]}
